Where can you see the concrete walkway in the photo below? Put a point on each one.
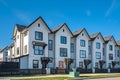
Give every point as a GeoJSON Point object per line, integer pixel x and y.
{"type": "Point", "coordinates": [29, 77]}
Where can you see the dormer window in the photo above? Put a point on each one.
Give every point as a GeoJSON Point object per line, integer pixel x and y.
{"type": "Point", "coordinates": [38, 25]}
{"type": "Point", "coordinates": [63, 30]}
{"type": "Point", "coordinates": [82, 34]}
{"type": "Point", "coordinates": [97, 37]}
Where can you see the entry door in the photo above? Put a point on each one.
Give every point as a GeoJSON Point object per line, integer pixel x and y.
{"type": "Point", "coordinates": [61, 64]}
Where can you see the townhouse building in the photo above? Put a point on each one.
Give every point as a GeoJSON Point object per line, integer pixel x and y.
{"type": "Point", "coordinates": [81, 50]}
{"type": "Point", "coordinates": [110, 51]}
{"type": "Point", "coordinates": [36, 46]}
{"type": "Point", "coordinates": [62, 37]}
{"type": "Point", "coordinates": [96, 44]}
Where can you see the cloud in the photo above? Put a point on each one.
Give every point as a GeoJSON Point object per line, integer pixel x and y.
{"type": "Point", "coordinates": [3, 2]}
{"type": "Point", "coordinates": [88, 13]}
{"type": "Point", "coordinates": [109, 10]}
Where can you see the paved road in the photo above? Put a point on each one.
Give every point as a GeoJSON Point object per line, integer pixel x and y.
{"type": "Point", "coordinates": [113, 78]}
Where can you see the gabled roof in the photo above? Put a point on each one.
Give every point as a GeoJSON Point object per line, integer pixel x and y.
{"type": "Point", "coordinates": [118, 42]}
{"type": "Point", "coordinates": [107, 38]}
{"type": "Point", "coordinates": [43, 22]}
{"type": "Point", "coordinates": [76, 33]}
{"type": "Point", "coordinates": [54, 30]}
{"type": "Point", "coordinates": [59, 27]}
{"type": "Point", "coordinates": [93, 36]}
{"type": "Point", "coordinates": [20, 27]}
{"type": "Point", "coordinates": [4, 49]}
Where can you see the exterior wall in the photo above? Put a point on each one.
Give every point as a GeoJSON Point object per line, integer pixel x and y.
{"type": "Point", "coordinates": [90, 53]}
{"type": "Point", "coordinates": [51, 53]}
{"type": "Point", "coordinates": [1, 56]}
{"type": "Point", "coordinates": [17, 44]}
{"type": "Point", "coordinates": [25, 43]}
{"type": "Point", "coordinates": [73, 54]}
{"type": "Point", "coordinates": [94, 50]}
{"type": "Point", "coordinates": [24, 62]}
{"type": "Point", "coordinates": [117, 56]}
{"type": "Point", "coordinates": [78, 48]}
{"type": "Point", "coordinates": [31, 37]}
{"type": "Point", "coordinates": [108, 52]}
{"type": "Point", "coordinates": [5, 53]}
{"type": "Point", "coordinates": [58, 45]}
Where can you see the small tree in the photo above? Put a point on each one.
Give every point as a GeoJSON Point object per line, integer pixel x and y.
{"type": "Point", "coordinates": [86, 63]}
{"type": "Point", "coordinates": [113, 64]}
{"type": "Point", "coordinates": [68, 62]}
{"type": "Point", "coordinates": [101, 62]}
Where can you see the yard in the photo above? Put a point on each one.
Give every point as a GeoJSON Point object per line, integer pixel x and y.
{"type": "Point", "coordinates": [63, 76]}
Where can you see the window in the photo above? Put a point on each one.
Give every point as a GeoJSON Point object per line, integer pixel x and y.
{"type": "Point", "coordinates": [118, 53]}
{"type": "Point", "coordinates": [35, 63]}
{"type": "Point", "coordinates": [63, 30]}
{"type": "Point", "coordinates": [89, 50]}
{"type": "Point", "coordinates": [98, 45]}
{"type": "Point", "coordinates": [98, 55]}
{"type": "Point", "coordinates": [109, 65]}
{"type": "Point", "coordinates": [110, 56]}
{"type": "Point", "coordinates": [38, 35]}
{"type": "Point", "coordinates": [25, 48]}
{"type": "Point", "coordinates": [63, 40]}
{"type": "Point", "coordinates": [81, 64]}
{"type": "Point", "coordinates": [110, 47]}
{"type": "Point", "coordinates": [38, 25]}
{"type": "Point", "coordinates": [82, 34]}
{"type": "Point", "coordinates": [82, 43]}
{"type": "Point", "coordinates": [63, 52]}
{"type": "Point", "coordinates": [96, 65]}
{"type": "Point", "coordinates": [72, 48]}
{"type": "Point", "coordinates": [6, 53]}
{"type": "Point", "coordinates": [25, 34]}
{"type": "Point", "coordinates": [18, 51]}
{"type": "Point", "coordinates": [103, 52]}
{"type": "Point", "coordinates": [82, 54]}
{"type": "Point", "coordinates": [50, 44]}
{"type": "Point", "coordinates": [38, 50]}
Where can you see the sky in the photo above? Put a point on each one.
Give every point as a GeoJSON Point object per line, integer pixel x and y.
{"type": "Point", "coordinates": [94, 15]}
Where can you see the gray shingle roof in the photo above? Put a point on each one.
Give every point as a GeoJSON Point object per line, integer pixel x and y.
{"type": "Point", "coordinates": [107, 38]}
{"type": "Point", "coordinates": [93, 36]}
{"type": "Point", "coordinates": [20, 27]}
{"type": "Point", "coordinates": [118, 42]}
{"type": "Point", "coordinates": [57, 28]}
{"type": "Point", "coordinates": [76, 33]}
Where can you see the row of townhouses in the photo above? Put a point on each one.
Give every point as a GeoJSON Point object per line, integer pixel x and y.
{"type": "Point", "coordinates": [37, 46]}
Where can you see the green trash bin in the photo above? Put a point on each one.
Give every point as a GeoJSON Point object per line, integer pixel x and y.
{"type": "Point", "coordinates": [74, 74]}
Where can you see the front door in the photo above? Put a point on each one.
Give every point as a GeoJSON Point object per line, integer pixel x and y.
{"type": "Point", "coordinates": [61, 64]}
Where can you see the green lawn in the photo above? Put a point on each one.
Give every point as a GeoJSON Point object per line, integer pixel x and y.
{"type": "Point", "coordinates": [82, 76]}
{"type": "Point", "coordinates": [55, 78]}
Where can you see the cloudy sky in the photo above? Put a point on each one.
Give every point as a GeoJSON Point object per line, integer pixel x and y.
{"type": "Point", "coordinates": [94, 15]}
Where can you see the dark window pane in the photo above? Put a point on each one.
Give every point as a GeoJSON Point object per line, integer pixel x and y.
{"type": "Point", "coordinates": [82, 43]}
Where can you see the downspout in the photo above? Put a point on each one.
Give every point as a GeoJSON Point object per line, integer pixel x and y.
{"type": "Point", "coordinates": [75, 54]}
{"type": "Point", "coordinates": [54, 51]}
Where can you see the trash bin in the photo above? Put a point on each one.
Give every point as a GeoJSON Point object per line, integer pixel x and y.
{"type": "Point", "coordinates": [47, 70]}
{"type": "Point", "coordinates": [74, 74]}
